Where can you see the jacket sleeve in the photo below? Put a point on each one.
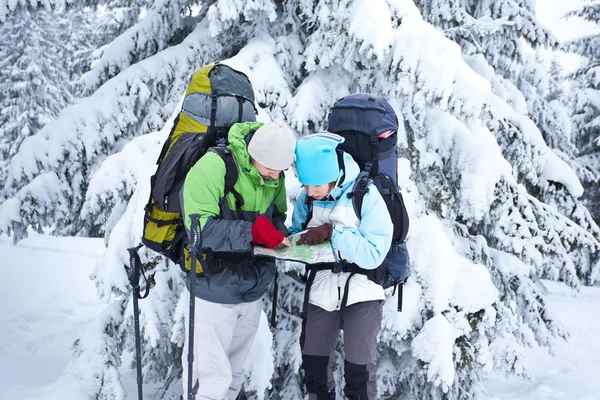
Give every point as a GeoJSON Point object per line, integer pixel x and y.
{"type": "Point", "coordinates": [280, 209]}
{"type": "Point", "coordinates": [368, 245]}
{"type": "Point", "coordinates": [300, 212]}
{"type": "Point", "coordinates": [202, 192]}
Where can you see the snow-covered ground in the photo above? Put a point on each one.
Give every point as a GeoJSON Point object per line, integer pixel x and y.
{"type": "Point", "coordinates": [572, 372]}
{"type": "Point", "coordinates": [47, 299]}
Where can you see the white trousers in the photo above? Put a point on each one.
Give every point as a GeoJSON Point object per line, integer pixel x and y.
{"type": "Point", "coordinates": [223, 335]}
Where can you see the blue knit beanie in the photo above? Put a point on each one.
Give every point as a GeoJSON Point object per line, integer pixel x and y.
{"type": "Point", "coordinates": [316, 159]}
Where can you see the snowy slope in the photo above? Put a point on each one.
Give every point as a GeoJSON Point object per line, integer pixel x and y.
{"type": "Point", "coordinates": [572, 373]}
{"type": "Point", "coordinates": [47, 299]}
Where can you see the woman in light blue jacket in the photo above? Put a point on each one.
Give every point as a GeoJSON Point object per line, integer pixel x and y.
{"type": "Point", "coordinates": [340, 295]}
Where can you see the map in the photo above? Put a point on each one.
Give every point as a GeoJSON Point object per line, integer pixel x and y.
{"type": "Point", "coordinates": [308, 254]}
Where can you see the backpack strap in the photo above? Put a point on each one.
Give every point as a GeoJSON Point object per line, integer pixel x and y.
{"type": "Point", "coordinates": [309, 205]}
{"type": "Point", "coordinates": [240, 108]}
{"type": "Point", "coordinates": [361, 187]}
{"type": "Point", "coordinates": [213, 111]}
{"type": "Point", "coordinates": [337, 267]}
{"type": "Point", "coordinates": [166, 144]}
{"type": "Point", "coordinates": [310, 278]}
{"type": "Point", "coordinates": [159, 222]}
{"type": "Point", "coordinates": [373, 169]}
{"type": "Point", "coordinates": [342, 165]}
{"type": "Point", "coordinates": [345, 300]}
{"type": "Point", "coordinates": [387, 153]}
{"type": "Point", "coordinates": [231, 173]}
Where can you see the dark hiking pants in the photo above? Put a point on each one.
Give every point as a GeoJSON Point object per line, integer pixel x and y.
{"type": "Point", "coordinates": [362, 323]}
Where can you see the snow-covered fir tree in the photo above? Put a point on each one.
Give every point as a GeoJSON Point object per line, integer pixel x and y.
{"type": "Point", "coordinates": [505, 33]}
{"type": "Point", "coordinates": [34, 80]}
{"type": "Point", "coordinates": [586, 109]}
{"type": "Point", "coordinates": [8, 7]}
{"type": "Point", "coordinates": [484, 192]}
{"type": "Point", "coordinates": [497, 38]}
{"type": "Point", "coordinates": [132, 30]}
{"type": "Point", "coordinates": [42, 57]}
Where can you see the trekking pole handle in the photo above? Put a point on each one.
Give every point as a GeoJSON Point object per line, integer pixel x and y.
{"type": "Point", "coordinates": [195, 238]}
{"type": "Point", "coordinates": [136, 269]}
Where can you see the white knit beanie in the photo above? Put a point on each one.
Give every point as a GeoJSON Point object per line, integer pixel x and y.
{"type": "Point", "coordinates": [273, 146]}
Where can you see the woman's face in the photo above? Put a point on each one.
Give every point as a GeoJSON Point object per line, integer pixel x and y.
{"type": "Point", "coordinates": [318, 192]}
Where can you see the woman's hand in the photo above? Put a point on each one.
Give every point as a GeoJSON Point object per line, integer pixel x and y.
{"type": "Point", "coordinates": [317, 234]}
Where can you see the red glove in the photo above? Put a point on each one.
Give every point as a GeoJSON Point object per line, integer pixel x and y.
{"type": "Point", "coordinates": [263, 232]}
{"type": "Point", "coordinates": [317, 234]}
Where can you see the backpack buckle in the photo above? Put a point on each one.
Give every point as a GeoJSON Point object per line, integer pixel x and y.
{"type": "Point", "coordinates": [337, 267]}
{"type": "Point", "coordinates": [342, 266]}
{"type": "Point", "coordinates": [396, 247]}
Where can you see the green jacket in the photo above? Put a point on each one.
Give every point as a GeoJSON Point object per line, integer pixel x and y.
{"type": "Point", "coordinates": [227, 231]}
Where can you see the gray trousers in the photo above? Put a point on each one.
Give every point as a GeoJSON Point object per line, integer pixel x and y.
{"type": "Point", "coordinates": [362, 323]}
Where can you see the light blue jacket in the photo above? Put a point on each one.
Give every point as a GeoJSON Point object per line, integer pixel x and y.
{"type": "Point", "coordinates": [364, 242]}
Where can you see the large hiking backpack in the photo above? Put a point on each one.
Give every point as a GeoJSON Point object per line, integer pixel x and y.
{"type": "Point", "coordinates": [216, 98]}
{"type": "Point", "coordinates": [369, 126]}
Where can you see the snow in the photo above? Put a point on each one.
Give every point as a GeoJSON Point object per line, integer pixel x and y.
{"type": "Point", "coordinates": [377, 38]}
{"type": "Point", "coordinates": [450, 278]}
{"type": "Point", "coordinates": [434, 345]}
{"type": "Point", "coordinates": [551, 13]}
{"type": "Point", "coordinates": [47, 300]}
{"type": "Point", "coordinates": [474, 152]}
{"type": "Point", "coordinates": [111, 139]}
{"type": "Point", "coordinates": [572, 372]}
{"type": "Point", "coordinates": [45, 311]}
{"type": "Point", "coordinates": [550, 166]}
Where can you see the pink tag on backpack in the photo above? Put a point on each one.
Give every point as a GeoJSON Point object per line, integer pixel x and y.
{"type": "Point", "coordinates": [386, 134]}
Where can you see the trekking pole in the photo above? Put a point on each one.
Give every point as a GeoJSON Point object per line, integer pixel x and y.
{"type": "Point", "coordinates": [400, 294]}
{"type": "Point", "coordinates": [195, 245]}
{"type": "Point", "coordinates": [274, 303]}
{"type": "Point", "coordinates": [134, 278]}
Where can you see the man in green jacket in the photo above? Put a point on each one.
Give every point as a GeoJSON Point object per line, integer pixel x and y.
{"type": "Point", "coordinates": [228, 302]}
